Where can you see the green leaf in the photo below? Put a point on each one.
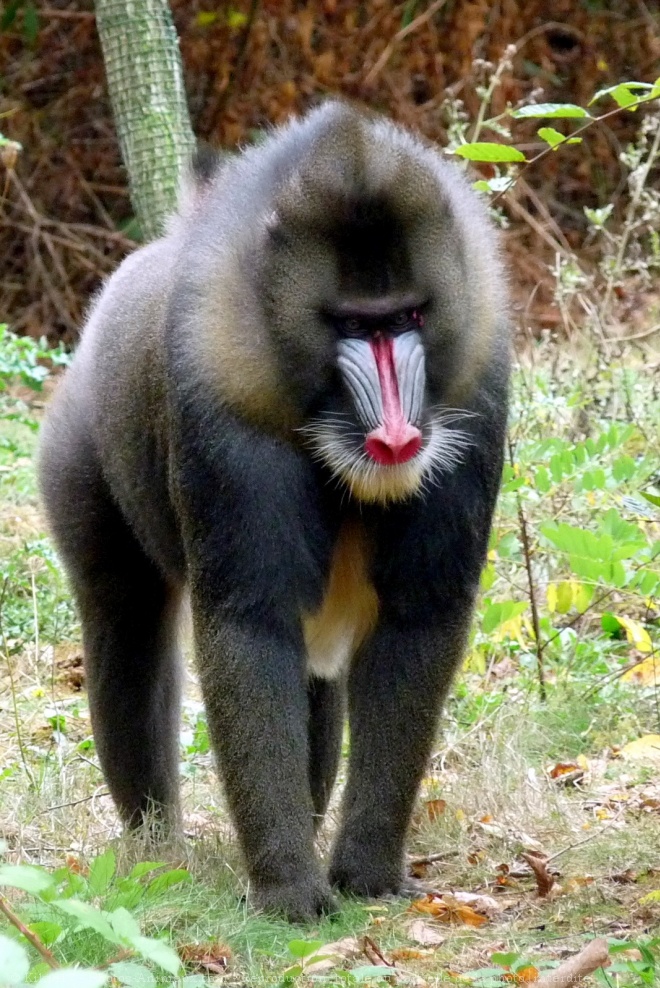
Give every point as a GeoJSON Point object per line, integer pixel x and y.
{"type": "Point", "coordinates": [88, 917]}
{"type": "Point", "coordinates": [28, 878]}
{"type": "Point", "coordinates": [14, 963]}
{"type": "Point", "coordinates": [564, 597]}
{"type": "Point", "coordinates": [205, 18]}
{"type": "Point", "coordinates": [610, 624]}
{"type": "Point", "coordinates": [124, 925]}
{"type": "Point", "coordinates": [504, 960]}
{"type": "Point", "coordinates": [194, 981]}
{"type": "Point", "coordinates": [158, 952]}
{"type": "Point", "coordinates": [651, 498]}
{"type": "Point", "coordinates": [551, 136]}
{"type": "Point", "coordinates": [303, 948]}
{"type": "Point", "coordinates": [488, 575]}
{"type": "Point", "coordinates": [542, 480]}
{"type": "Point", "coordinates": [101, 872]}
{"type": "Point", "coordinates": [47, 932]}
{"type": "Point", "coordinates": [628, 93]}
{"type": "Point", "coordinates": [30, 23]}
{"type": "Point", "coordinates": [69, 977]}
{"type": "Point", "coordinates": [165, 881]}
{"type": "Point", "coordinates": [236, 19]}
{"type": "Point", "coordinates": [9, 14]}
{"type": "Point", "coordinates": [497, 614]}
{"type": "Point", "coordinates": [550, 110]}
{"type": "Point", "coordinates": [133, 975]}
{"type": "Point", "coordinates": [487, 151]}
{"type": "Point", "coordinates": [144, 867]}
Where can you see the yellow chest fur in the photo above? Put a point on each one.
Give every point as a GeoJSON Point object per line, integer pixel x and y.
{"type": "Point", "coordinates": [349, 610]}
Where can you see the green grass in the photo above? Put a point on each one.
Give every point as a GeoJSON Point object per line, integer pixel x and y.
{"type": "Point", "coordinates": [583, 454]}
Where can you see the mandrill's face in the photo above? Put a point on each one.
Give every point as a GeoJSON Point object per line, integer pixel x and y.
{"type": "Point", "coordinates": [363, 346]}
{"type": "Point", "coordinates": [389, 442]}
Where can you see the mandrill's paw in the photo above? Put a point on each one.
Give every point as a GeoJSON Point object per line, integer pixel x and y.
{"type": "Point", "coordinates": [366, 877]}
{"type": "Point", "coordinates": [301, 902]}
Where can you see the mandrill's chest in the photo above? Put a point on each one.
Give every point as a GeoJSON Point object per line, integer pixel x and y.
{"type": "Point", "coordinates": [349, 609]}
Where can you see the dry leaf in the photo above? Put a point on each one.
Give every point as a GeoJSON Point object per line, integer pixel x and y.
{"type": "Point", "coordinates": [409, 954]}
{"type": "Point", "coordinates": [210, 957]}
{"type": "Point", "coordinates": [646, 673]}
{"type": "Point", "coordinates": [566, 773]}
{"type": "Point", "coordinates": [544, 880]}
{"type": "Point", "coordinates": [75, 866]}
{"type": "Point", "coordinates": [485, 904]}
{"type": "Point", "coordinates": [526, 975]}
{"type": "Point", "coordinates": [424, 934]}
{"type": "Point", "coordinates": [435, 808]}
{"type": "Point", "coordinates": [448, 909]}
{"type": "Point", "coordinates": [645, 749]}
{"type": "Point", "coordinates": [332, 955]}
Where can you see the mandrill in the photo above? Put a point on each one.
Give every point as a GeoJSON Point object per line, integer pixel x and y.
{"type": "Point", "coordinates": [293, 406]}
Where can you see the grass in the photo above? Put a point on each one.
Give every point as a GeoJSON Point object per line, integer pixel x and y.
{"type": "Point", "coordinates": [583, 453]}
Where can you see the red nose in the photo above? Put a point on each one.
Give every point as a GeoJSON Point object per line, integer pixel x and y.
{"type": "Point", "coordinates": [389, 447]}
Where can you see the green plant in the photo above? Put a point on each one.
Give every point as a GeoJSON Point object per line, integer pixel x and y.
{"type": "Point", "coordinates": [100, 904]}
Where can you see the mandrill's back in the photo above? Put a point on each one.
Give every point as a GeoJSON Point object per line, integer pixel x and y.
{"type": "Point", "coordinates": [110, 411]}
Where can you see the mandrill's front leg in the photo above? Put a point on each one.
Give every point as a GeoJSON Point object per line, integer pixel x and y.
{"type": "Point", "coordinates": [254, 687]}
{"type": "Point", "coordinates": [396, 690]}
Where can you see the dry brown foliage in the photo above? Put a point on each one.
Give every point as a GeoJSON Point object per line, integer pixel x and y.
{"type": "Point", "coordinates": [254, 62]}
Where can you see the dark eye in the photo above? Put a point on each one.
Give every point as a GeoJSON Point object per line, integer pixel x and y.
{"type": "Point", "coordinates": [351, 327]}
{"type": "Point", "coordinates": [400, 319]}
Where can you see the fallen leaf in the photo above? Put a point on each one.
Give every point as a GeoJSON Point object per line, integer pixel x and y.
{"type": "Point", "coordinates": [646, 673]}
{"type": "Point", "coordinates": [332, 955]}
{"type": "Point", "coordinates": [578, 882]}
{"type": "Point", "coordinates": [485, 904]}
{"type": "Point", "coordinates": [435, 808]}
{"type": "Point", "coordinates": [210, 957]}
{"type": "Point", "coordinates": [526, 975]}
{"type": "Point", "coordinates": [448, 909]}
{"type": "Point", "coordinates": [476, 856]}
{"type": "Point", "coordinates": [645, 749]}
{"type": "Point", "coordinates": [627, 877]}
{"type": "Point", "coordinates": [425, 934]}
{"type": "Point", "coordinates": [544, 880]}
{"type": "Point", "coordinates": [409, 954]}
{"type": "Point", "coordinates": [566, 773]}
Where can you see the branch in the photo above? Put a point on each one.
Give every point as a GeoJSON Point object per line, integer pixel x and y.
{"type": "Point", "coordinates": [593, 956]}
{"type": "Point", "coordinates": [31, 937]}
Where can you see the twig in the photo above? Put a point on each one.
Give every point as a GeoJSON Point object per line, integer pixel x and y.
{"type": "Point", "coordinates": [12, 686]}
{"type": "Point", "coordinates": [373, 953]}
{"type": "Point", "coordinates": [241, 56]}
{"type": "Point", "coordinates": [430, 858]}
{"type": "Point", "coordinates": [73, 802]}
{"type": "Point", "coordinates": [385, 56]}
{"type": "Point", "coordinates": [636, 336]}
{"type": "Point", "coordinates": [585, 840]}
{"type": "Point", "coordinates": [591, 957]}
{"type": "Point", "coordinates": [31, 937]}
{"type": "Point", "coordinates": [527, 553]}
{"type": "Point", "coordinates": [639, 187]}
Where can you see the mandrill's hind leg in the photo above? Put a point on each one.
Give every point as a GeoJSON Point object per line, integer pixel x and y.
{"type": "Point", "coordinates": [128, 612]}
{"type": "Point", "coordinates": [326, 722]}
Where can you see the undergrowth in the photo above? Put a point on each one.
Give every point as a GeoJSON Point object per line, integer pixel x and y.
{"type": "Point", "coordinates": [541, 803]}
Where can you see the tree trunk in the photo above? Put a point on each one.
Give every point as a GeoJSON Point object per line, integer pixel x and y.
{"type": "Point", "coordinates": [145, 81]}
